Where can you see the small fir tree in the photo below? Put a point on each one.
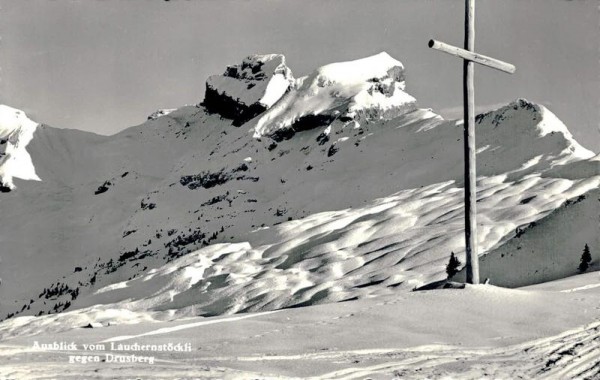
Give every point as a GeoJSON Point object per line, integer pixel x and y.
{"type": "Point", "coordinates": [586, 259]}
{"type": "Point", "coordinates": [453, 265]}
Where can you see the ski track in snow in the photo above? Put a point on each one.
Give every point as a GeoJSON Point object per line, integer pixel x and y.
{"type": "Point", "coordinates": [571, 355]}
{"type": "Point", "coordinates": [168, 330]}
{"type": "Point", "coordinates": [585, 287]}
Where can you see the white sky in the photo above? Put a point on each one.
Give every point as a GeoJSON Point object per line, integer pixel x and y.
{"type": "Point", "coordinates": [102, 66]}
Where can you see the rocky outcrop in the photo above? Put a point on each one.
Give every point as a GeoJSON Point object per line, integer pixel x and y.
{"type": "Point", "coordinates": [248, 89]}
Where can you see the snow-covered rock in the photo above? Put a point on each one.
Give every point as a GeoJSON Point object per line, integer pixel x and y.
{"type": "Point", "coordinates": [16, 131]}
{"type": "Point", "coordinates": [161, 112]}
{"type": "Point", "coordinates": [371, 88]}
{"type": "Point", "coordinates": [247, 89]}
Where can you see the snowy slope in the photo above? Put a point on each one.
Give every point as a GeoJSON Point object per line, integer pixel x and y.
{"type": "Point", "coordinates": [549, 331]}
{"type": "Point", "coordinates": [340, 189]}
{"type": "Point", "coordinates": [549, 248]}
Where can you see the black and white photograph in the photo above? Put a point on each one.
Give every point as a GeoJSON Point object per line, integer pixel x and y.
{"type": "Point", "coordinates": [300, 189]}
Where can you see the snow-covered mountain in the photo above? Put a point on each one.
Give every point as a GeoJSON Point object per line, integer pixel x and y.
{"type": "Point", "coordinates": [276, 192]}
{"type": "Point", "coordinates": [16, 131]}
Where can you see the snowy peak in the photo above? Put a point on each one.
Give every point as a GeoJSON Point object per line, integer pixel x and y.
{"type": "Point", "coordinates": [369, 88]}
{"type": "Point", "coordinates": [376, 67]}
{"type": "Point", "coordinates": [522, 124]}
{"type": "Point", "coordinates": [16, 131]}
{"type": "Point", "coordinates": [247, 89]}
{"type": "Point", "coordinates": [522, 112]}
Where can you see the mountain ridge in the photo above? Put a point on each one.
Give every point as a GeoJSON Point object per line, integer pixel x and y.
{"type": "Point", "coordinates": [362, 199]}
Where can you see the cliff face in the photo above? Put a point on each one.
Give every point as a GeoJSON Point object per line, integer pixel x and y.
{"type": "Point", "coordinates": [248, 89]}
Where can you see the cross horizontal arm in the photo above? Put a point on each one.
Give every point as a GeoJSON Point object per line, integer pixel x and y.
{"type": "Point", "coordinates": [471, 56]}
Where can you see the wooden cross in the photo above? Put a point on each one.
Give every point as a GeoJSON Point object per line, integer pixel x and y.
{"type": "Point", "coordinates": [469, 56]}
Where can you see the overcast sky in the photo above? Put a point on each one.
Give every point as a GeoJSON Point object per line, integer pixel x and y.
{"type": "Point", "coordinates": [103, 66]}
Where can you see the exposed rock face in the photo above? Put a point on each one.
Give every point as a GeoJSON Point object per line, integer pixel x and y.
{"type": "Point", "coordinates": [248, 89]}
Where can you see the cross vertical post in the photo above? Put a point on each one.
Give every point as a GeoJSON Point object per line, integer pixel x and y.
{"type": "Point", "coordinates": [472, 261]}
{"type": "Point", "coordinates": [470, 57]}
